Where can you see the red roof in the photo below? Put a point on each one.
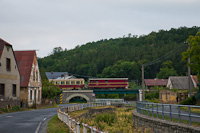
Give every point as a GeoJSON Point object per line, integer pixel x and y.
{"type": "Point", "coordinates": [24, 61]}
{"type": "Point", "coordinates": [155, 82]}
{"type": "Point", "coordinates": [2, 44]}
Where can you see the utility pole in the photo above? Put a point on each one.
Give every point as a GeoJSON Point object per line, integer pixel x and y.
{"type": "Point", "coordinates": [189, 73]}
{"type": "Point", "coordinates": [143, 98]}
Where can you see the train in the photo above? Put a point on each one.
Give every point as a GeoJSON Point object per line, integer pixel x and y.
{"type": "Point", "coordinates": [108, 83]}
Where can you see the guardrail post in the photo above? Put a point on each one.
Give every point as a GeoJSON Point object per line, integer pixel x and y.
{"type": "Point", "coordinates": [68, 120]}
{"type": "Point", "coordinates": [93, 130]}
{"type": "Point", "coordinates": [137, 107]}
{"type": "Point", "coordinates": [179, 114]}
{"type": "Point", "coordinates": [170, 112]}
{"type": "Point", "coordinates": [84, 128]}
{"type": "Point", "coordinates": [73, 125]}
{"type": "Point", "coordinates": [189, 113]}
{"type": "Point", "coordinates": [148, 109]}
{"type": "Point", "coordinates": [78, 127]}
{"type": "Point", "coordinates": [152, 110]}
{"type": "Point", "coordinates": [70, 123]}
{"type": "Point", "coordinates": [157, 110]}
{"type": "Point", "coordinates": [64, 117]}
{"type": "Point", "coordinates": [162, 111]}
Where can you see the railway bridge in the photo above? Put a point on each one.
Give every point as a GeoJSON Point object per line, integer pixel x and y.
{"type": "Point", "coordinates": [89, 95]}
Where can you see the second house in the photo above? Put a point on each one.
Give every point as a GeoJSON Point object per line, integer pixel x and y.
{"type": "Point", "coordinates": [30, 80]}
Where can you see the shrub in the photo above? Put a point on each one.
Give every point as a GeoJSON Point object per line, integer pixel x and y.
{"type": "Point", "coordinates": [189, 101]}
{"type": "Point", "coordinates": [152, 95]}
{"type": "Point", "coordinates": [4, 109]}
{"type": "Point", "coordinates": [108, 117]}
{"type": "Point", "coordinates": [15, 108]}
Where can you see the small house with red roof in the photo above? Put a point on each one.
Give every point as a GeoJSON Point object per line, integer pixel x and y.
{"type": "Point", "coordinates": [150, 83]}
{"type": "Point", "coordinates": [30, 83]}
{"type": "Point", "coordinates": [9, 76]}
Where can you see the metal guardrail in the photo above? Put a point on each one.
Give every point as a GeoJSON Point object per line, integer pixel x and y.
{"type": "Point", "coordinates": [74, 125]}
{"type": "Point", "coordinates": [168, 110]}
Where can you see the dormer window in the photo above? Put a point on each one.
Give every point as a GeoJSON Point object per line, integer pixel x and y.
{"type": "Point", "coordinates": [8, 64]}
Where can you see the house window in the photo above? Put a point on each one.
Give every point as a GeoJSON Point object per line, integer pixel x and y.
{"type": "Point", "coordinates": [62, 82]}
{"type": "Point", "coordinates": [8, 67]}
{"type": "Point", "coordinates": [78, 82]}
{"type": "Point", "coordinates": [72, 82]}
{"type": "Point", "coordinates": [36, 76]}
{"type": "Point", "coordinates": [30, 94]}
{"type": "Point", "coordinates": [2, 89]}
{"type": "Point", "coordinates": [33, 75]}
{"type": "Point", "coordinates": [14, 90]}
{"type": "Point", "coordinates": [8, 47]}
{"type": "Point", "coordinates": [67, 82]}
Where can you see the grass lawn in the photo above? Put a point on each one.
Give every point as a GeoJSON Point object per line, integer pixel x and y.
{"type": "Point", "coordinates": [57, 126]}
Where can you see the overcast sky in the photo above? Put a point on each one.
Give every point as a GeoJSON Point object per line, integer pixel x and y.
{"type": "Point", "coordinates": [45, 24]}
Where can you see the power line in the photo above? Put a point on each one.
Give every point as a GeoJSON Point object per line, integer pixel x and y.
{"type": "Point", "coordinates": [165, 56]}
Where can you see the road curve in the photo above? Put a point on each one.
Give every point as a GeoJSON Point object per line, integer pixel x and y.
{"type": "Point", "coordinates": [34, 121]}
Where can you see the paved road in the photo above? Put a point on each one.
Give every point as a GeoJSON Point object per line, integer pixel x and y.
{"type": "Point", "coordinates": [34, 121]}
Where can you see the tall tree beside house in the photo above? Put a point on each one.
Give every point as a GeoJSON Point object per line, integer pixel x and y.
{"type": "Point", "coordinates": [49, 90]}
{"type": "Point", "coordinates": [166, 70]}
{"type": "Point", "coordinates": [193, 53]}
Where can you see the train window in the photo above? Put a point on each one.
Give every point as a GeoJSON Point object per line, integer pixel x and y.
{"type": "Point", "coordinates": [72, 82]}
{"type": "Point", "coordinates": [62, 82]}
{"type": "Point", "coordinates": [78, 82]}
{"type": "Point", "coordinates": [96, 81]}
{"type": "Point", "coordinates": [106, 81]}
{"type": "Point", "coordinates": [67, 82]}
{"type": "Point", "coordinates": [57, 82]}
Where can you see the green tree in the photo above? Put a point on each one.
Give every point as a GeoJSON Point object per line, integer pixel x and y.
{"type": "Point", "coordinates": [166, 70]}
{"type": "Point", "coordinates": [193, 53]}
{"type": "Point", "coordinates": [123, 69]}
{"type": "Point", "coordinates": [57, 50]}
{"type": "Point", "coordinates": [49, 90]}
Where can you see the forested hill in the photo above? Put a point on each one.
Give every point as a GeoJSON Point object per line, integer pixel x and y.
{"type": "Point", "coordinates": [122, 57]}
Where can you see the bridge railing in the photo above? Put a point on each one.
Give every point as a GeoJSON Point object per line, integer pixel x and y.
{"type": "Point", "coordinates": [169, 110]}
{"type": "Point", "coordinates": [74, 125]}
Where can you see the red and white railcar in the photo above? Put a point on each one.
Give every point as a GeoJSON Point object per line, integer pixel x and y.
{"type": "Point", "coordinates": [108, 83]}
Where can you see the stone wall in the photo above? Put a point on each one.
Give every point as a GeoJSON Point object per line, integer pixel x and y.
{"type": "Point", "coordinates": [160, 126]}
{"type": "Point", "coordinates": [9, 103]}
